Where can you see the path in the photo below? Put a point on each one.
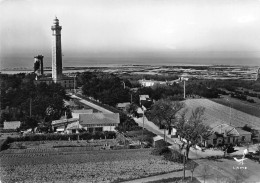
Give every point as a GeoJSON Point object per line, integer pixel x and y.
{"type": "Point", "coordinates": [99, 108]}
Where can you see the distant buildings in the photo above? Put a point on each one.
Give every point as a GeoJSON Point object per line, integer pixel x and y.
{"type": "Point", "coordinates": [147, 83]}
{"type": "Point", "coordinates": [57, 76]}
{"type": "Point", "coordinates": [150, 83]}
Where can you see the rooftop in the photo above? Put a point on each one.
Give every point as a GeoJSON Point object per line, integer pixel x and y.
{"type": "Point", "coordinates": [60, 121]}
{"type": "Point", "coordinates": [123, 104]}
{"type": "Point", "coordinates": [143, 97]}
{"type": "Point", "coordinates": [99, 118]}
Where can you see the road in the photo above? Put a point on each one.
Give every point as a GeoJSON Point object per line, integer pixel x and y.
{"type": "Point", "coordinates": [221, 169]}
{"type": "Point", "coordinates": [101, 109]}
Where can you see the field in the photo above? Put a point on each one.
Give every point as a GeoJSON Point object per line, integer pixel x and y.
{"type": "Point", "coordinates": [89, 166]}
{"type": "Point", "coordinates": [252, 109]}
{"type": "Point", "coordinates": [216, 114]}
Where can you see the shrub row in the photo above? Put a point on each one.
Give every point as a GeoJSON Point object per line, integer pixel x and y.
{"type": "Point", "coordinates": [46, 137]}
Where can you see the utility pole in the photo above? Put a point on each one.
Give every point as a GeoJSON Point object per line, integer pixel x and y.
{"type": "Point", "coordinates": [184, 89]}
{"type": "Point", "coordinates": [131, 98]}
{"type": "Point", "coordinates": [229, 111]}
{"type": "Point", "coordinates": [143, 130]}
{"type": "Point", "coordinates": [184, 161]}
{"type": "Point", "coordinates": [30, 107]}
{"type": "Point", "coordinates": [164, 134]}
{"type": "Point", "coordinates": [74, 85]}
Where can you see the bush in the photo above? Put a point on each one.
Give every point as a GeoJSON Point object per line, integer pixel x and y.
{"type": "Point", "coordinates": [210, 146]}
{"type": "Point", "coordinates": [174, 156]}
{"type": "Point", "coordinates": [160, 151]}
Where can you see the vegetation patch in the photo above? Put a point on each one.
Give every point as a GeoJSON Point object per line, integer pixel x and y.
{"type": "Point", "coordinates": [93, 166]}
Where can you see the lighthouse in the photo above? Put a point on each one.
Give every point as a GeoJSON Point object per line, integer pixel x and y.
{"type": "Point", "coordinates": [56, 51]}
{"type": "Point", "coordinates": [65, 81]}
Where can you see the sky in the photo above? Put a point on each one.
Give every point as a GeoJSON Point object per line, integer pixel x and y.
{"type": "Point", "coordinates": [132, 28]}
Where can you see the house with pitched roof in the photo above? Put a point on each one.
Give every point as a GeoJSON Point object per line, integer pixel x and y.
{"type": "Point", "coordinates": [226, 134]}
{"type": "Point", "coordinates": [145, 101]}
{"type": "Point", "coordinates": [99, 121]}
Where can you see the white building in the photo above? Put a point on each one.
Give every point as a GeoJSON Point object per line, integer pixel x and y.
{"type": "Point", "coordinates": [99, 121]}
{"type": "Point", "coordinates": [147, 83]}
{"type": "Point", "coordinates": [11, 125]}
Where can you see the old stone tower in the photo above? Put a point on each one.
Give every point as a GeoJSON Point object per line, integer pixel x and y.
{"type": "Point", "coordinates": [258, 75]}
{"type": "Point", "coordinates": [56, 51]}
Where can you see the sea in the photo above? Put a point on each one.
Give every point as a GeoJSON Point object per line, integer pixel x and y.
{"type": "Point", "coordinates": [25, 64]}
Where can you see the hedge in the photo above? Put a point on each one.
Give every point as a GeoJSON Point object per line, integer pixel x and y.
{"type": "Point", "coordinates": [46, 137]}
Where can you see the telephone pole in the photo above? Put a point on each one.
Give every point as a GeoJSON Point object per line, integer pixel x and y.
{"type": "Point", "coordinates": [30, 107]}
{"type": "Point", "coordinates": [184, 89]}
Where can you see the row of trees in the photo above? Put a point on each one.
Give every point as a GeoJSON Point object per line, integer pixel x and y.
{"type": "Point", "coordinates": [104, 87]}
{"type": "Point", "coordinates": [22, 100]}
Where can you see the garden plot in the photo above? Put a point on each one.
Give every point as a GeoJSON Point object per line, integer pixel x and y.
{"type": "Point", "coordinates": [92, 166]}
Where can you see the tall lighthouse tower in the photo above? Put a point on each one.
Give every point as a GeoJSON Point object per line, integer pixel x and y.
{"type": "Point", "coordinates": [56, 51]}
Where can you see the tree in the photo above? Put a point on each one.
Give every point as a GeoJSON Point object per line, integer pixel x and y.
{"type": "Point", "coordinates": [165, 112]}
{"type": "Point", "coordinates": [131, 108]}
{"type": "Point", "coordinates": [193, 130]}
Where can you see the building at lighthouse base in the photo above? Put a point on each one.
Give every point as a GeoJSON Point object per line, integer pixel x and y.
{"type": "Point", "coordinates": [66, 82]}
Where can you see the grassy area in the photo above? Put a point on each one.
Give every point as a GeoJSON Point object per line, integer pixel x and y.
{"type": "Point", "coordinates": [91, 166]}
{"type": "Point", "coordinates": [239, 105]}
{"type": "Point", "coordinates": [216, 114]}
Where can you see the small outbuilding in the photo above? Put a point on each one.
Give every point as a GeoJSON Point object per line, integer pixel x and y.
{"type": "Point", "coordinates": [157, 141]}
{"type": "Point", "coordinates": [11, 125]}
{"type": "Point", "coordinates": [122, 106]}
